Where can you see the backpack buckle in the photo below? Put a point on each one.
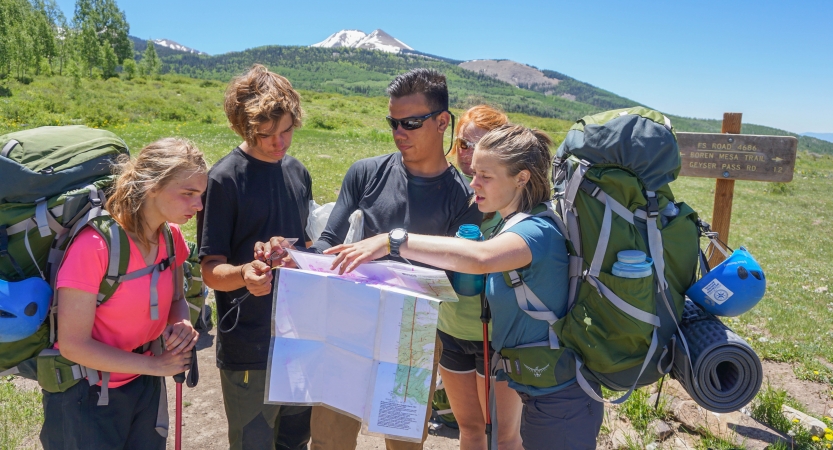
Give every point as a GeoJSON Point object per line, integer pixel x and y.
{"type": "Point", "coordinates": [589, 187]}
{"type": "Point", "coordinates": [165, 264]}
{"type": "Point", "coordinates": [653, 207]}
{"type": "Point", "coordinates": [513, 279]}
{"type": "Point", "coordinates": [96, 202]}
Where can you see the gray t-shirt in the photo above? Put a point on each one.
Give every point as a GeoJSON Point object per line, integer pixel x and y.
{"type": "Point", "coordinates": [390, 197]}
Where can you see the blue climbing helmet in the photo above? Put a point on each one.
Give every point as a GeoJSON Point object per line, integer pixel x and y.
{"type": "Point", "coordinates": [732, 288]}
{"type": "Point", "coordinates": [23, 307]}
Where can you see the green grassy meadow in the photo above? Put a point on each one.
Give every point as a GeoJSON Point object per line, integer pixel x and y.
{"type": "Point", "coordinates": [788, 227]}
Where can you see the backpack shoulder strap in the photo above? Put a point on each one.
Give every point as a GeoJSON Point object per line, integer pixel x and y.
{"type": "Point", "coordinates": [528, 302]}
{"type": "Point", "coordinates": [169, 243]}
{"type": "Point", "coordinates": [178, 279]}
{"type": "Point", "coordinates": [544, 209]}
{"type": "Point", "coordinates": [118, 247]}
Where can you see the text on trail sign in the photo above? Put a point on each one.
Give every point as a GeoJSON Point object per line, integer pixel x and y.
{"type": "Point", "coordinates": [737, 156]}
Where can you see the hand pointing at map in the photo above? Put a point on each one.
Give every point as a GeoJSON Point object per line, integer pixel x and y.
{"type": "Point", "coordinates": [351, 255]}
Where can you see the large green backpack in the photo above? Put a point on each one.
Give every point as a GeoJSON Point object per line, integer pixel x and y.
{"type": "Point", "coordinates": [54, 180]}
{"type": "Point", "coordinates": [611, 177]}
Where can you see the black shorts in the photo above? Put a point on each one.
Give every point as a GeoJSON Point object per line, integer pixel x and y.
{"type": "Point", "coordinates": [461, 356]}
{"type": "Point", "coordinates": [73, 419]}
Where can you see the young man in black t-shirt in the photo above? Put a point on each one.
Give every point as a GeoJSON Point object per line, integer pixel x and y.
{"type": "Point", "coordinates": [415, 189]}
{"type": "Point", "coordinates": [254, 193]}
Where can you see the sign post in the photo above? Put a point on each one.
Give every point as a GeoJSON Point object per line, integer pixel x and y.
{"type": "Point", "coordinates": [731, 156]}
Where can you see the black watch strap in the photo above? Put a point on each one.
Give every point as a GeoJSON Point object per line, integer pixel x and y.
{"type": "Point", "coordinates": [395, 239]}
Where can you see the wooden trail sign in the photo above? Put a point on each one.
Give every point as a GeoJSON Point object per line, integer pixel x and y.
{"type": "Point", "coordinates": [731, 156]}
{"type": "Point", "coordinates": [737, 156]}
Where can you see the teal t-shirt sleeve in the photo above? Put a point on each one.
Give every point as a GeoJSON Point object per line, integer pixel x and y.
{"type": "Point", "coordinates": [538, 233]}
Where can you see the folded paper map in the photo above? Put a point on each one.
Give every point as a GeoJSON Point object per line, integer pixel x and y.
{"type": "Point", "coordinates": [362, 343]}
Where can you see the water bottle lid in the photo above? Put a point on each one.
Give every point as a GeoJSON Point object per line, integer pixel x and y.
{"type": "Point", "coordinates": [631, 256]}
{"type": "Point", "coordinates": [638, 270]}
{"type": "Point", "coordinates": [469, 231]}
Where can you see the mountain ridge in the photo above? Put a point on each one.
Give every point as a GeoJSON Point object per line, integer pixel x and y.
{"type": "Point", "coordinates": [163, 47]}
{"type": "Point", "coordinates": [378, 39]}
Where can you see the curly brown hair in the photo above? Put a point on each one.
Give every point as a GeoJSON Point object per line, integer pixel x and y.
{"type": "Point", "coordinates": [257, 97]}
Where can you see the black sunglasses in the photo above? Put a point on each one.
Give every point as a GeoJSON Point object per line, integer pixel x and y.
{"type": "Point", "coordinates": [410, 123]}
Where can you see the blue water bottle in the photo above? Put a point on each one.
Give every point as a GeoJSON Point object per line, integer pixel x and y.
{"type": "Point", "coordinates": [468, 284]}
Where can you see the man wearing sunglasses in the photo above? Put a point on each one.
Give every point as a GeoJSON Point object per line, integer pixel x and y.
{"type": "Point", "coordinates": [414, 189]}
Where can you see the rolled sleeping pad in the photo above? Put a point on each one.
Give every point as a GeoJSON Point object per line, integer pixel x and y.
{"type": "Point", "coordinates": [727, 372]}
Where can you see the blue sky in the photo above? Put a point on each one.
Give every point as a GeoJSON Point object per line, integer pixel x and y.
{"type": "Point", "coordinates": [772, 61]}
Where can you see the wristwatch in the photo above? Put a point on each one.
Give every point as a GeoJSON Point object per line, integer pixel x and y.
{"type": "Point", "coordinates": [396, 237]}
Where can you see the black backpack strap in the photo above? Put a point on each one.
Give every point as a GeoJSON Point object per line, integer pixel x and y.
{"type": "Point", "coordinates": [4, 252]}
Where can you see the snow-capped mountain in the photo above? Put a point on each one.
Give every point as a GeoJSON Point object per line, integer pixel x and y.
{"type": "Point", "coordinates": [344, 38]}
{"type": "Point", "coordinates": [176, 46]}
{"type": "Point", "coordinates": [377, 40]}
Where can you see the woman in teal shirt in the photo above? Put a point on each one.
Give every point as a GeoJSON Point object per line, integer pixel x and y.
{"type": "Point", "coordinates": [459, 326]}
{"type": "Point", "coordinates": [511, 175]}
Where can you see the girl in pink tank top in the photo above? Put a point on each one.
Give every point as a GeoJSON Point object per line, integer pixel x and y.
{"type": "Point", "coordinates": [162, 185]}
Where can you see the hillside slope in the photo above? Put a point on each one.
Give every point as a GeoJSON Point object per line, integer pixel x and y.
{"type": "Point", "coordinates": [367, 73]}
{"type": "Point", "coordinates": [548, 82]}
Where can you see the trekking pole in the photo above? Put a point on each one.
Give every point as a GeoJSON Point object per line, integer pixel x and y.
{"type": "Point", "coordinates": [485, 315]}
{"type": "Point", "coordinates": [179, 379]}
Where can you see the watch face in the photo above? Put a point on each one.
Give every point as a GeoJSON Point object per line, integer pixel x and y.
{"type": "Point", "coordinates": [397, 234]}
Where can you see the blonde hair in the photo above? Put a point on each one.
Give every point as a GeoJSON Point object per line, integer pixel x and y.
{"type": "Point", "coordinates": [257, 97]}
{"type": "Point", "coordinates": [520, 148]}
{"type": "Point", "coordinates": [155, 166]}
{"type": "Point", "coordinates": [481, 116]}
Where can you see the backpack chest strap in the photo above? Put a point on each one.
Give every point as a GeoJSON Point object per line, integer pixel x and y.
{"type": "Point", "coordinates": [154, 270]}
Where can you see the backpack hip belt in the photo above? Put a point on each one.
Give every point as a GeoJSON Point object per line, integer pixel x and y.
{"type": "Point", "coordinates": [536, 365]}
{"type": "Point", "coordinates": [58, 374]}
